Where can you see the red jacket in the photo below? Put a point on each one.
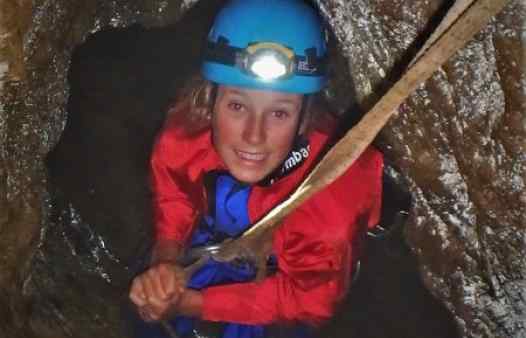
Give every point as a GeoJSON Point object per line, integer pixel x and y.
{"type": "Point", "coordinates": [314, 246]}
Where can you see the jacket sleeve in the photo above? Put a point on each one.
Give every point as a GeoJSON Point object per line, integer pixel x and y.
{"type": "Point", "coordinates": [175, 198]}
{"type": "Point", "coordinates": [315, 248]}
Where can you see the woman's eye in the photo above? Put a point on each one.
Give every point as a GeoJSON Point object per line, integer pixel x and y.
{"type": "Point", "coordinates": [235, 106]}
{"type": "Point", "coordinates": [280, 114]}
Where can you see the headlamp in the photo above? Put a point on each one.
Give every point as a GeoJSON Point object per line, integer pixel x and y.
{"type": "Point", "coordinates": [268, 61]}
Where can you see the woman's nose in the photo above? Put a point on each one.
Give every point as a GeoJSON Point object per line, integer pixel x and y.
{"type": "Point", "coordinates": [254, 130]}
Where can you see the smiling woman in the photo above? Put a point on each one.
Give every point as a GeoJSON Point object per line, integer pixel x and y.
{"type": "Point", "coordinates": [236, 142]}
{"type": "Point", "coordinates": [254, 130]}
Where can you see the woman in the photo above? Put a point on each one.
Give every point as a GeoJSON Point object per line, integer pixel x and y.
{"type": "Point", "coordinates": [237, 143]}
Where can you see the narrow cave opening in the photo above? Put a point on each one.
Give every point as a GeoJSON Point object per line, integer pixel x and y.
{"type": "Point", "coordinates": [121, 81]}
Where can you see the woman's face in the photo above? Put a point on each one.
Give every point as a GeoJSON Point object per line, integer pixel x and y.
{"type": "Point", "coordinates": [253, 130]}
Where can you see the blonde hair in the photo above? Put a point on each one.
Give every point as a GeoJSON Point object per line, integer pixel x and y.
{"type": "Point", "coordinates": [194, 104]}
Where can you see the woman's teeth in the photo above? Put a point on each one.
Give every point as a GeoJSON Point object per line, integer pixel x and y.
{"type": "Point", "coordinates": [251, 156]}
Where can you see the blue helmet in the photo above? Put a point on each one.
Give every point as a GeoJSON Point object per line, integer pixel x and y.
{"type": "Point", "coordinates": [267, 44]}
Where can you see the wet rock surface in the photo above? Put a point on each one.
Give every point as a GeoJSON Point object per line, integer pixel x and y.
{"type": "Point", "coordinates": [70, 237]}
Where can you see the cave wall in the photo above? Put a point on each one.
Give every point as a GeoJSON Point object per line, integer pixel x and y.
{"type": "Point", "coordinates": [36, 42]}
{"type": "Point", "coordinates": [459, 142]}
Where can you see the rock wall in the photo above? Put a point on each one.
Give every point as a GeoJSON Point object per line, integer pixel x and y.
{"type": "Point", "coordinates": [36, 42]}
{"type": "Point", "coordinates": [459, 142]}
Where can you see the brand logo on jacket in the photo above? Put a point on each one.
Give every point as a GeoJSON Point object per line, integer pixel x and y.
{"type": "Point", "coordinates": [299, 153]}
{"type": "Point", "coordinates": [295, 158]}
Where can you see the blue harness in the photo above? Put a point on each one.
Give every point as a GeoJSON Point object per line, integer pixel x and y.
{"type": "Point", "coordinates": [230, 220]}
{"type": "Point", "coordinates": [227, 218]}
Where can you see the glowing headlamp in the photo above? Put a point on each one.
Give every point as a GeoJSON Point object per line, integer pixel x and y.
{"type": "Point", "coordinates": [268, 61]}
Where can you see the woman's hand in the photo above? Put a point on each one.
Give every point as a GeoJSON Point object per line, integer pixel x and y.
{"type": "Point", "coordinates": [158, 291]}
